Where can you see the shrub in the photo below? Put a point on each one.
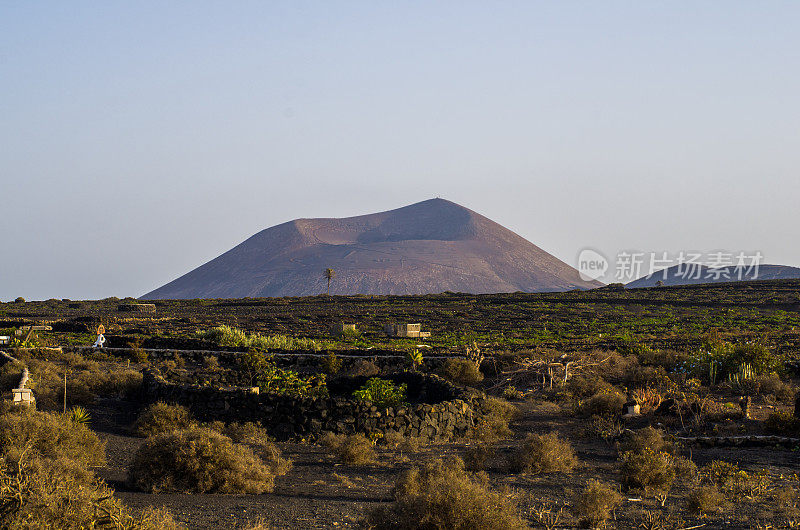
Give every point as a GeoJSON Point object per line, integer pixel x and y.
{"type": "Point", "coordinates": [595, 504]}
{"type": "Point", "coordinates": [511, 392]}
{"type": "Point", "coordinates": [771, 384]}
{"type": "Point", "coordinates": [363, 368]}
{"type": "Point", "coordinates": [704, 499]}
{"type": "Point", "coordinates": [782, 422]}
{"type": "Point", "coordinates": [720, 473]}
{"type": "Point", "coordinates": [10, 373]}
{"type": "Point", "coordinates": [643, 439]}
{"type": "Point", "coordinates": [257, 439]}
{"type": "Point", "coordinates": [408, 444]}
{"type": "Point", "coordinates": [138, 355]}
{"type": "Point", "coordinates": [461, 371]}
{"type": "Point", "coordinates": [476, 456]}
{"type": "Point", "coordinates": [759, 356]}
{"type": "Point", "coordinates": [655, 520]}
{"type": "Point", "coordinates": [607, 403]}
{"type": "Point", "coordinates": [544, 453]}
{"type": "Point", "coordinates": [604, 427]}
{"type": "Point", "coordinates": [649, 470]}
{"type": "Point", "coordinates": [441, 494]}
{"type": "Point", "coordinates": [49, 436]}
{"type": "Point", "coordinates": [332, 363]}
{"type": "Point", "coordinates": [198, 461]}
{"type": "Point", "coordinates": [19, 300]}
{"type": "Point", "coordinates": [382, 393]}
{"type": "Point", "coordinates": [269, 378]}
{"type": "Point", "coordinates": [732, 480]}
{"type": "Point", "coordinates": [210, 362]}
{"type": "Point", "coordinates": [354, 449]}
{"type": "Point", "coordinates": [161, 417]}
{"type": "Point", "coordinates": [491, 423]}
{"type": "Point", "coordinates": [583, 386]}
{"type": "Point", "coordinates": [228, 336]}
{"type": "Point", "coordinates": [43, 493]}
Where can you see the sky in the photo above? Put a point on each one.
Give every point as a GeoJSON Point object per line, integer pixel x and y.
{"type": "Point", "coordinates": [142, 139]}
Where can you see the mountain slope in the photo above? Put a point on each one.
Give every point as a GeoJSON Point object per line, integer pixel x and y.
{"type": "Point", "coordinates": [427, 247]}
{"type": "Point", "coordinates": [702, 274]}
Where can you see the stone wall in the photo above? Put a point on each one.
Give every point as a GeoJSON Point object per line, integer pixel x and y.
{"type": "Point", "coordinates": [296, 360]}
{"type": "Point", "coordinates": [441, 410]}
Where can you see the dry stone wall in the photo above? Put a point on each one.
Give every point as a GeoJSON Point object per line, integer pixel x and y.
{"type": "Point", "coordinates": [441, 410]}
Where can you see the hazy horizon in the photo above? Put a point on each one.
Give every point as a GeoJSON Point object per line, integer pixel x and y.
{"type": "Point", "coordinates": [141, 141]}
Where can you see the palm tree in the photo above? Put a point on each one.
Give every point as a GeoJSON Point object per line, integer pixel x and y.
{"type": "Point", "coordinates": [329, 274]}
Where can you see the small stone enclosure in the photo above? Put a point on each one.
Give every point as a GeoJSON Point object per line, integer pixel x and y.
{"type": "Point", "coordinates": [439, 409]}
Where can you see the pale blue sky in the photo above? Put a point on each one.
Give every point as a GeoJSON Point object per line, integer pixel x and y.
{"type": "Point", "coordinates": [141, 139]}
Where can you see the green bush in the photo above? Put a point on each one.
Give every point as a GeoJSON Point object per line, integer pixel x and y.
{"type": "Point", "coordinates": [162, 417]}
{"type": "Point", "coordinates": [442, 495]}
{"type": "Point", "coordinates": [461, 371]}
{"type": "Point", "coordinates": [651, 471]}
{"type": "Point", "coordinates": [271, 379]}
{"type": "Point", "coordinates": [198, 461]}
{"type": "Point", "coordinates": [757, 355]}
{"type": "Point", "coordinates": [354, 450]}
{"type": "Point", "coordinates": [596, 502]}
{"type": "Point", "coordinates": [382, 393]}
{"type": "Point", "coordinates": [228, 336]}
{"type": "Point", "coordinates": [544, 453]}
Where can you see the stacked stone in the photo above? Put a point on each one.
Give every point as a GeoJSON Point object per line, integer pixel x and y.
{"type": "Point", "coordinates": [287, 417]}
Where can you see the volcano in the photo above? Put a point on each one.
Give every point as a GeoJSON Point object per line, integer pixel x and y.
{"type": "Point", "coordinates": [428, 247]}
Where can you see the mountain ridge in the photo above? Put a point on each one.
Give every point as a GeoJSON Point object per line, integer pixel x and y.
{"type": "Point", "coordinates": [703, 274]}
{"type": "Point", "coordinates": [427, 247]}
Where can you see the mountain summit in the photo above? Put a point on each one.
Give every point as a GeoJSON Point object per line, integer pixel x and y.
{"type": "Point", "coordinates": [427, 247]}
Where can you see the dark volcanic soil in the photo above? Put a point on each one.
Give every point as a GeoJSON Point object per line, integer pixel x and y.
{"type": "Point", "coordinates": [319, 493]}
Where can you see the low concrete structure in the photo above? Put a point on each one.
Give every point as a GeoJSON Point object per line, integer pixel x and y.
{"type": "Point", "coordinates": [5, 340]}
{"type": "Point", "coordinates": [26, 329]}
{"type": "Point", "coordinates": [406, 330]}
{"type": "Point", "coordinates": [340, 328]}
{"type": "Point", "coordinates": [631, 408]}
